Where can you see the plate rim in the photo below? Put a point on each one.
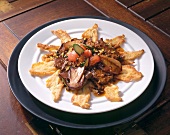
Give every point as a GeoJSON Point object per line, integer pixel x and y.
{"type": "Point", "coordinates": [25, 77]}
{"type": "Point", "coordinates": [19, 45]}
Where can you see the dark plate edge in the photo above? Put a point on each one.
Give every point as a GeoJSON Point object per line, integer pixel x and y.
{"type": "Point", "coordinates": [141, 34]}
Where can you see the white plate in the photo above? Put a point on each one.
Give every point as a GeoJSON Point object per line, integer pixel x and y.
{"type": "Point", "coordinates": [75, 27]}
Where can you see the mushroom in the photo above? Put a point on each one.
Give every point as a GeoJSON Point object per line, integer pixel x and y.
{"type": "Point", "coordinates": [111, 65]}
{"type": "Point", "coordinates": [74, 78]}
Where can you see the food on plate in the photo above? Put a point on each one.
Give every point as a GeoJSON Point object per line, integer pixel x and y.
{"type": "Point", "coordinates": [55, 84]}
{"type": "Point", "coordinates": [111, 65]}
{"type": "Point", "coordinates": [50, 48]}
{"type": "Point", "coordinates": [115, 42]}
{"type": "Point", "coordinates": [43, 68]}
{"type": "Point", "coordinates": [129, 73]}
{"type": "Point", "coordinates": [49, 57]}
{"type": "Point", "coordinates": [91, 33]}
{"type": "Point", "coordinates": [112, 93]}
{"type": "Point", "coordinates": [87, 66]}
{"type": "Point", "coordinates": [82, 97]}
{"type": "Point", "coordinates": [62, 35]}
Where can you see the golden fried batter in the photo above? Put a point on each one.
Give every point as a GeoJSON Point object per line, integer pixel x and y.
{"type": "Point", "coordinates": [43, 69]}
{"type": "Point", "coordinates": [49, 57]}
{"type": "Point", "coordinates": [82, 97]}
{"type": "Point", "coordinates": [91, 33]}
{"type": "Point", "coordinates": [116, 42]}
{"type": "Point", "coordinates": [55, 84]}
{"type": "Point", "coordinates": [132, 55]}
{"type": "Point", "coordinates": [50, 48]}
{"type": "Point", "coordinates": [62, 35]}
{"type": "Point", "coordinates": [112, 93]}
{"type": "Point", "coordinates": [128, 74]}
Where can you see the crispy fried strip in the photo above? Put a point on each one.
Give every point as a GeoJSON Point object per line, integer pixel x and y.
{"type": "Point", "coordinates": [62, 35]}
{"type": "Point", "coordinates": [49, 57]}
{"type": "Point", "coordinates": [132, 55]}
{"type": "Point", "coordinates": [127, 62]}
{"type": "Point", "coordinates": [129, 57]}
{"type": "Point", "coordinates": [91, 33]}
{"type": "Point", "coordinates": [112, 93]}
{"type": "Point", "coordinates": [55, 84]}
{"type": "Point", "coordinates": [82, 97]}
{"type": "Point", "coordinates": [43, 69]}
{"type": "Point", "coordinates": [50, 48]}
{"type": "Point", "coordinates": [116, 42]}
{"type": "Point", "coordinates": [128, 74]}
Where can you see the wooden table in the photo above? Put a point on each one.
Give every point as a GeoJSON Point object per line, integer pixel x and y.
{"type": "Point", "coordinates": [18, 17]}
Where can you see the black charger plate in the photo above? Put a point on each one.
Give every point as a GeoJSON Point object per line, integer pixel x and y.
{"type": "Point", "coordinates": [89, 121]}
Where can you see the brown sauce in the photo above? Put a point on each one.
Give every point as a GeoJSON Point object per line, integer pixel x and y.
{"type": "Point", "coordinates": [101, 94]}
{"type": "Point", "coordinates": [96, 94]}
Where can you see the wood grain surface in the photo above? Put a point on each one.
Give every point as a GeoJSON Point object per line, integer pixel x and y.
{"type": "Point", "coordinates": [7, 42]}
{"type": "Point", "coordinates": [149, 8]}
{"type": "Point", "coordinates": [162, 22]}
{"type": "Point", "coordinates": [128, 3]}
{"type": "Point", "coordinates": [52, 11]}
{"type": "Point", "coordinates": [128, 17]}
{"type": "Point", "coordinates": [155, 12]}
{"type": "Point", "coordinates": [19, 6]}
{"type": "Point", "coordinates": [12, 116]}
